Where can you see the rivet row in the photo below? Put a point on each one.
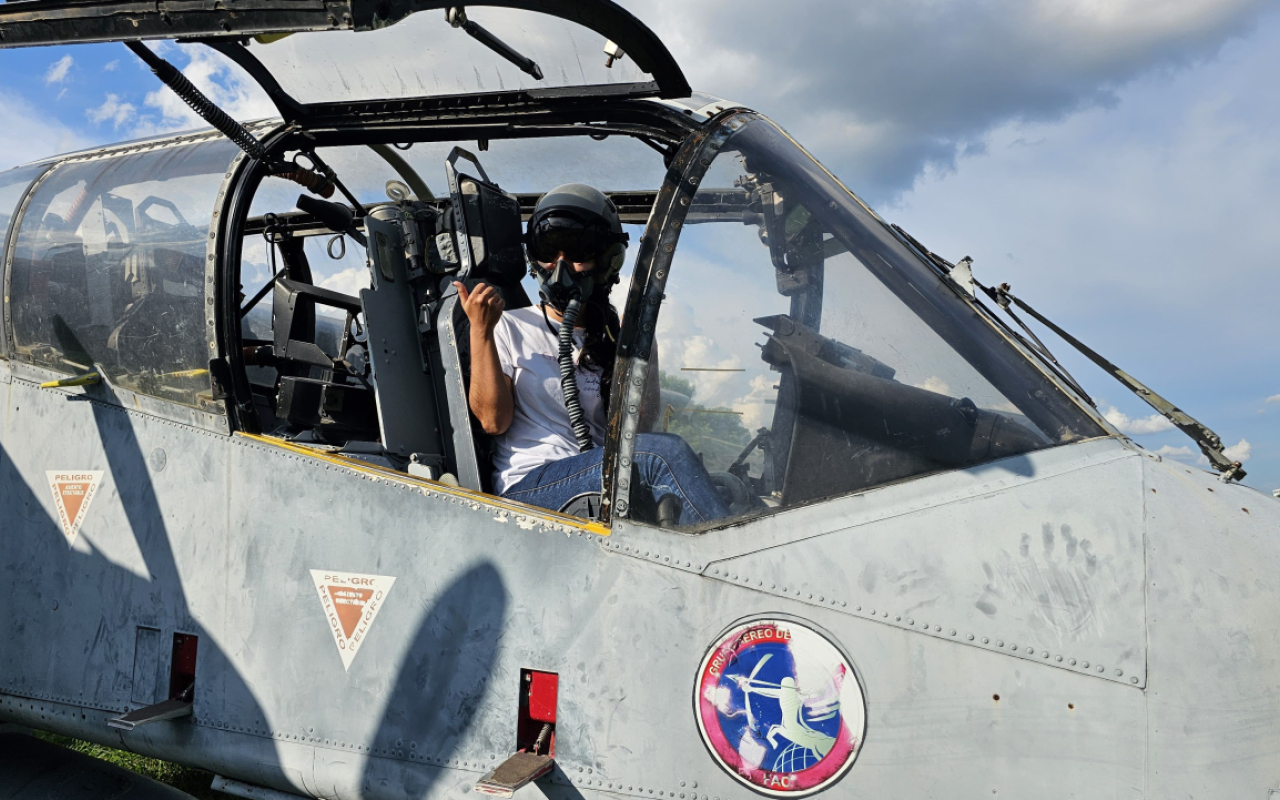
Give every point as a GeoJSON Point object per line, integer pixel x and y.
{"type": "Point", "coordinates": [909, 622]}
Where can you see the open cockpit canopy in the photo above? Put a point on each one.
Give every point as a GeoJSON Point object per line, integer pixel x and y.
{"type": "Point", "coordinates": [364, 50]}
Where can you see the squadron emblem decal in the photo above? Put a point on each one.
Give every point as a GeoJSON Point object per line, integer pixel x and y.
{"type": "Point", "coordinates": [779, 707]}
{"type": "Point", "coordinates": [351, 603]}
{"type": "Point", "coordinates": [72, 493]}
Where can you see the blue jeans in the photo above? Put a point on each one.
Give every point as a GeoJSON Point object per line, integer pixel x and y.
{"type": "Point", "coordinates": [664, 463]}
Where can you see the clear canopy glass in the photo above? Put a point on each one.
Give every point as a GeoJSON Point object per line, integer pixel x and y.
{"type": "Point", "coordinates": [13, 185]}
{"type": "Point", "coordinates": [805, 352]}
{"type": "Point", "coordinates": [109, 270]}
{"type": "Point", "coordinates": [423, 55]}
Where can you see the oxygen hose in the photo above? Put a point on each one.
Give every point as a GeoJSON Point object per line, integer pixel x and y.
{"type": "Point", "coordinates": [568, 381]}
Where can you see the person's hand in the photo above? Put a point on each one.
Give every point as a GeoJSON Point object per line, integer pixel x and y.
{"type": "Point", "coordinates": [483, 306]}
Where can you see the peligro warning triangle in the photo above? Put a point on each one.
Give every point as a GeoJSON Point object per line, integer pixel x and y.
{"type": "Point", "coordinates": [351, 603]}
{"type": "Point", "coordinates": [72, 493]}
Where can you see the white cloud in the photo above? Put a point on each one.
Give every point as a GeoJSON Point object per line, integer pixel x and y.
{"type": "Point", "coordinates": [215, 76]}
{"type": "Point", "coordinates": [113, 110]}
{"type": "Point", "coordinates": [1125, 175]}
{"type": "Point", "coordinates": [1136, 426]}
{"type": "Point", "coordinates": [348, 281]}
{"type": "Point", "coordinates": [1240, 451]}
{"type": "Point", "coordinates": [758, 405]}
{"type": "Point", "coordinates": [899, 84]}
{"type": "Point", "coordinates": [934, 384]}
{"type": "Point", "coordinates": [111, 66]}
{"type": "Point", "coordinates": [29, 133]}
{"type": "Point", "coordinates": [58, 70]}
{"type": "Point", "coordinates": [1180, 453]}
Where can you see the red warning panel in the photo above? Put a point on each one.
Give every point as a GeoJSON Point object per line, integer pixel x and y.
{"type": "Point", "coordinates": [72, 493]}
{"type": "Point", "coordinates": [351, 603]}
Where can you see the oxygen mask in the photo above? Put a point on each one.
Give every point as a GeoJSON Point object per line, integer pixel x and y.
{"type": "Point", "coordinates": [562, 283]}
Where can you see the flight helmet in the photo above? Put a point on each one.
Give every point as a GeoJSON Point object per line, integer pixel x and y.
{"type": "Point", "coordinates": [582, 223]}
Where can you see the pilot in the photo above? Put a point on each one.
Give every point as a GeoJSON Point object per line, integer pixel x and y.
{"type": "Point", "coordinates": [545, 398]}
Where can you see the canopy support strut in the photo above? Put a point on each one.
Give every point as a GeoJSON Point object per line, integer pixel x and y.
{"type": "Point", "coordinates": [1209, 442]}
{"type": "Point", "coordinates": [171, 76]}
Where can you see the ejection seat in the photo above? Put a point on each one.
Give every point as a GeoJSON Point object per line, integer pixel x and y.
{"type": "Point", "coordinates": [489, 238]}
{"type": "Point", "coordinates": [473, 448]}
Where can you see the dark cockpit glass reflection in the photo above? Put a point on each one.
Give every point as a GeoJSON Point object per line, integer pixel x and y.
{"type": "Point", "coordinates": [806, 353]}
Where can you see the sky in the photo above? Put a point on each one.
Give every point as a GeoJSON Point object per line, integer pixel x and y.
{"type": "Point", "coordinates": [1115, 161]}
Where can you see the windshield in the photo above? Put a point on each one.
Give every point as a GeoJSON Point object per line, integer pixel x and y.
{"type": "Point", "coordinates": [423, 55]}
{"type": "Point", "coordinates": [805, 352]}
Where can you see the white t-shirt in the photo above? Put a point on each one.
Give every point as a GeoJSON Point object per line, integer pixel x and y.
{"type": "Point", "coordinates": [540, 430]}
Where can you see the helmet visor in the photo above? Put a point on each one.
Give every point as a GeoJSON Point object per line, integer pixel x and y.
{"type": "Point", "coordinates": [579, 241]}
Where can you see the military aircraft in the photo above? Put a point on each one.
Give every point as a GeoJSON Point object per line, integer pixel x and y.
{"type": "Point", "coordinates": [248, 523]}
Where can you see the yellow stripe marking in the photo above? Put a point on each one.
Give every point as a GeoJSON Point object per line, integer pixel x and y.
{"type": "Point", "coordinates": [494, 502]}
{"type": "Point", "coordinates": [87, 379]}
